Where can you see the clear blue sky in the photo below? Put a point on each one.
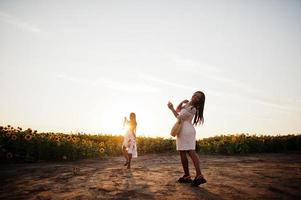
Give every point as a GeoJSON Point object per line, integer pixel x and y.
{"type": "Point", "coordinates": [84, 65]}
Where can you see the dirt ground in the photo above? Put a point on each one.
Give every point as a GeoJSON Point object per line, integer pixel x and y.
{"type": "Point", "coordinates": [259, 176]}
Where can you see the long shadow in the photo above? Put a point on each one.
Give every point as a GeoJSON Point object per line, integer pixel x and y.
{"type": "Point", "coordinates": [203, 193]}
{"type": "Point", "coordinates": [134, 190]}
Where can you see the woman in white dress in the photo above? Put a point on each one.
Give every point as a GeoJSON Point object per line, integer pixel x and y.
{"type": "Point", "coordinates": [191, 114]}
{"type": "Point", "coordinates": [129, 146]}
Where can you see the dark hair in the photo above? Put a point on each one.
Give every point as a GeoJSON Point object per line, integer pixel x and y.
{"type": "Point", "coordinates": [198, 117]}
{"type": "Point", "coordinates": [133, 122]}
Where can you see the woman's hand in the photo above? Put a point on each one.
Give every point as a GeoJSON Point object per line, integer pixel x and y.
{"type": "Point", "coordinates": [170, 105]}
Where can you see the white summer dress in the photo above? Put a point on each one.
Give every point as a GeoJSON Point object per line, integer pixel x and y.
{"type": "Point", "coordinates": [129, 142]}
{"type": "Point", "coordinates": [186, 138]}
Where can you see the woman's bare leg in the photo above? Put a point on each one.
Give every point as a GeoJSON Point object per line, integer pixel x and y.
{"type": "Point", "coordinates": [193, 155]}
{"type": "Point", "coordinates": [125, 154]}
{"type": "Point", "coordinates": [129, 162]}
{"type": "Point", "coordinates": [184, 162]}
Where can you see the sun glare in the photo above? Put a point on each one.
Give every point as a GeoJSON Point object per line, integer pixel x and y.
{"type": "Point", "coordinates": [113, 117]}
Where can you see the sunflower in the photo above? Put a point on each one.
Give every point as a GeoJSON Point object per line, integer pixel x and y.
{"type": "Point", "coordinates": [101, 150]}
{"type": "Point", "coordinates": [57, 138]}
{"type": "Point", "coordinates": [29, 130]}
{"type": "Point", "coordinates": [69, 138]}
{"type": "Point", "coordinates": [8, 134]}
{"type": "Point", "coordinates": [28, 137]}
{"type": "Point", "coordinates": [9, 155]}
{"type": "Point", "coordinates": [74, 139]}
{"type": "Point", "coordinates": [102, 144]}
{"type": "Point", "coordinates": [14, 137]}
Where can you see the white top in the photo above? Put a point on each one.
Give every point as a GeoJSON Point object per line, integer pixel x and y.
{"type": "Point", "coordinates": [186, 139]}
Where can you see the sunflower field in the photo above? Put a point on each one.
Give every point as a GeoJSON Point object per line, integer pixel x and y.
{"type": "Point", "coordinates": [244, 144]}
{"type": "Point", "coordinates": [30, 146]}
{"type": "Point", "coordinates": [18, 145]}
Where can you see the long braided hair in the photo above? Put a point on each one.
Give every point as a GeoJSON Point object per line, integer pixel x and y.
{"type": "Point", "coordinates": [198, 117]}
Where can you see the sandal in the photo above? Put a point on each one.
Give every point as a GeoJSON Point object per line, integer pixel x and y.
{"type": "Point", "coordinates": [198, 180]}
{"type": "Point", "coordinates": [185, 179]}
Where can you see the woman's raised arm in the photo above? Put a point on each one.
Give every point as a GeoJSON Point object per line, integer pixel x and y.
{"type": "Point", "coordinates": [170, 106]}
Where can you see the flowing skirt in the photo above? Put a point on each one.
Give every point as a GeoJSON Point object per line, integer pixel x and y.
{"type": "Point", "coordinates": [129, 142]}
